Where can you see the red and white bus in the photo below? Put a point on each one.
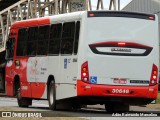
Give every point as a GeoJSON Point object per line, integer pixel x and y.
{"type": "Point", "coordinates": [87, 57]}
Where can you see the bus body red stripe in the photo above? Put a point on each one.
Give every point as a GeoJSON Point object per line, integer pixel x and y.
{"type": "Point", "coordinates": [84, 89]}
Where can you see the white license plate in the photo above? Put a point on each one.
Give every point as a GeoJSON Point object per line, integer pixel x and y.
{"type": "Point", "coordinates": [120, 81]}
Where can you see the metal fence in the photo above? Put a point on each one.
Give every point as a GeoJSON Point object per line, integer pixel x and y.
{"type": "Point", "coordinates": [27, 9]}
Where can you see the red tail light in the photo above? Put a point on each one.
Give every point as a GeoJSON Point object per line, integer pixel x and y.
{"type": "Point", "coordinates": [151, 17]}
{"type": "Point", "coordinates": [91, 14]}
{"type": "Point", "coordinates": [120, 44]}
{"type": "Point", "coordinates": [85, 72]}
{"type": "Point", "coordinates": [154, 75]}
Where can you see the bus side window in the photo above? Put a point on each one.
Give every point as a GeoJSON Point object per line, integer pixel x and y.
{"type": "Point", "coordinates": [68, 38]}
{"type": "Point", "coordinates": [22, 39]}
{"type": "Point", "coordinates": [32, 41]}
{"type": "Point", "coordinates": [43, 38]}
{"type": "Point", "coordinates": [76, 37]}
{"type": "Point", "coordinates": [10, 48]}
{"type": "Point", "coordinates": [55, 39]}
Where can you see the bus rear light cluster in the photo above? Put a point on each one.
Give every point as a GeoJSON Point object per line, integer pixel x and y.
{"type": "Point", "coordinates": [85, 72]}
{"type": "Point", "coordinates": [154, 75]}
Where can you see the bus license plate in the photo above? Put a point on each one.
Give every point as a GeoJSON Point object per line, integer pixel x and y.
{"type": "Point", "coordinates": [120, 81]}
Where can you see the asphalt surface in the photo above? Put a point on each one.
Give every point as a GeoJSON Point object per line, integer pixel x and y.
{"type": "Point", "coordinates": [91, 112]}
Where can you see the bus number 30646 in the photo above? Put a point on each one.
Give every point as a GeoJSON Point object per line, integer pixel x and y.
{"type": "Point", "coordinates": [125, 91]}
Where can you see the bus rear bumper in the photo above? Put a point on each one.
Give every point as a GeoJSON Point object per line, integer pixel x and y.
{"type": "Point", "coordinates": [85, 89]}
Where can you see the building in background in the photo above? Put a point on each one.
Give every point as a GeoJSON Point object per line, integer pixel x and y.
{"type": "Point", "coordinates": [146, 6]}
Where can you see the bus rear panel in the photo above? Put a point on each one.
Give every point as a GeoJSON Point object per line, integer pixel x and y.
{"type": "Point", "coordinates": [121, 56]}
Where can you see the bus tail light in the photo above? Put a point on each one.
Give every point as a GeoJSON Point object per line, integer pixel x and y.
{"type": "Point", "coordinates": [154, 75]}
{"type": "Point", "coordinates": [91, 15]}
{"type": "Point", "coordinates": [151, 17]}
{"type": "Point", "coordinates": [121, 44]}
{"type": "Point", "coordinates": [85, 72]}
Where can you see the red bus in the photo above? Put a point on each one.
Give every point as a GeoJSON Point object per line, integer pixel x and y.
{"type": "Point", "coordinates": [89, 57]}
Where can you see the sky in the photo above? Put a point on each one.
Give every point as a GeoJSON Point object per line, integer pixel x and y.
{"type": "Point", "coordinates": [106, 3]}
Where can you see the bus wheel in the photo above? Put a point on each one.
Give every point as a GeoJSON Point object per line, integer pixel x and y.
{"type": "Point", "coordinates": [23, 102]}
{"type": "Point", "coordinates": [116, 107]}
{"type": "Point", "coordinates": [109, 107]}
{"type": "Point", "coordinates": [76, 106]}
{"type": "Point", "coordinates": [122, 108]}
{"type": "Point", "coordinates": [52, 96]}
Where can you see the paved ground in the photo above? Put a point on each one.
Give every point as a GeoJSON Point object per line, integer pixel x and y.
{"type": "Point", "coordinates": [92, 112]}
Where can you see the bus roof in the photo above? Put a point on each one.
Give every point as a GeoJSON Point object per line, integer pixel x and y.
{"type": "Point", "coordinates": [31, 22]}
{"type": "Point", "coordinates": [47, 20]}
{"type": "Point", "coordinates": [76, 16]}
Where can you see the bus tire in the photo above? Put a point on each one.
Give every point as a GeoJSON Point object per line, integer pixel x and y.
{"type": "Point", "coordinates": [76, 106]}
{"type": "Point", "coordinates": [1, 82]}
{"type": "Point", "coordinates": [116, 107]}
{"type": "Point", "coordinates": [109, 107]}
{"type": "Point", "coordinates": [52, 96]}
{"type": "Point", "coordinates": [122, 108]}
{"type": "Point", "coordinates": [23, 102]}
